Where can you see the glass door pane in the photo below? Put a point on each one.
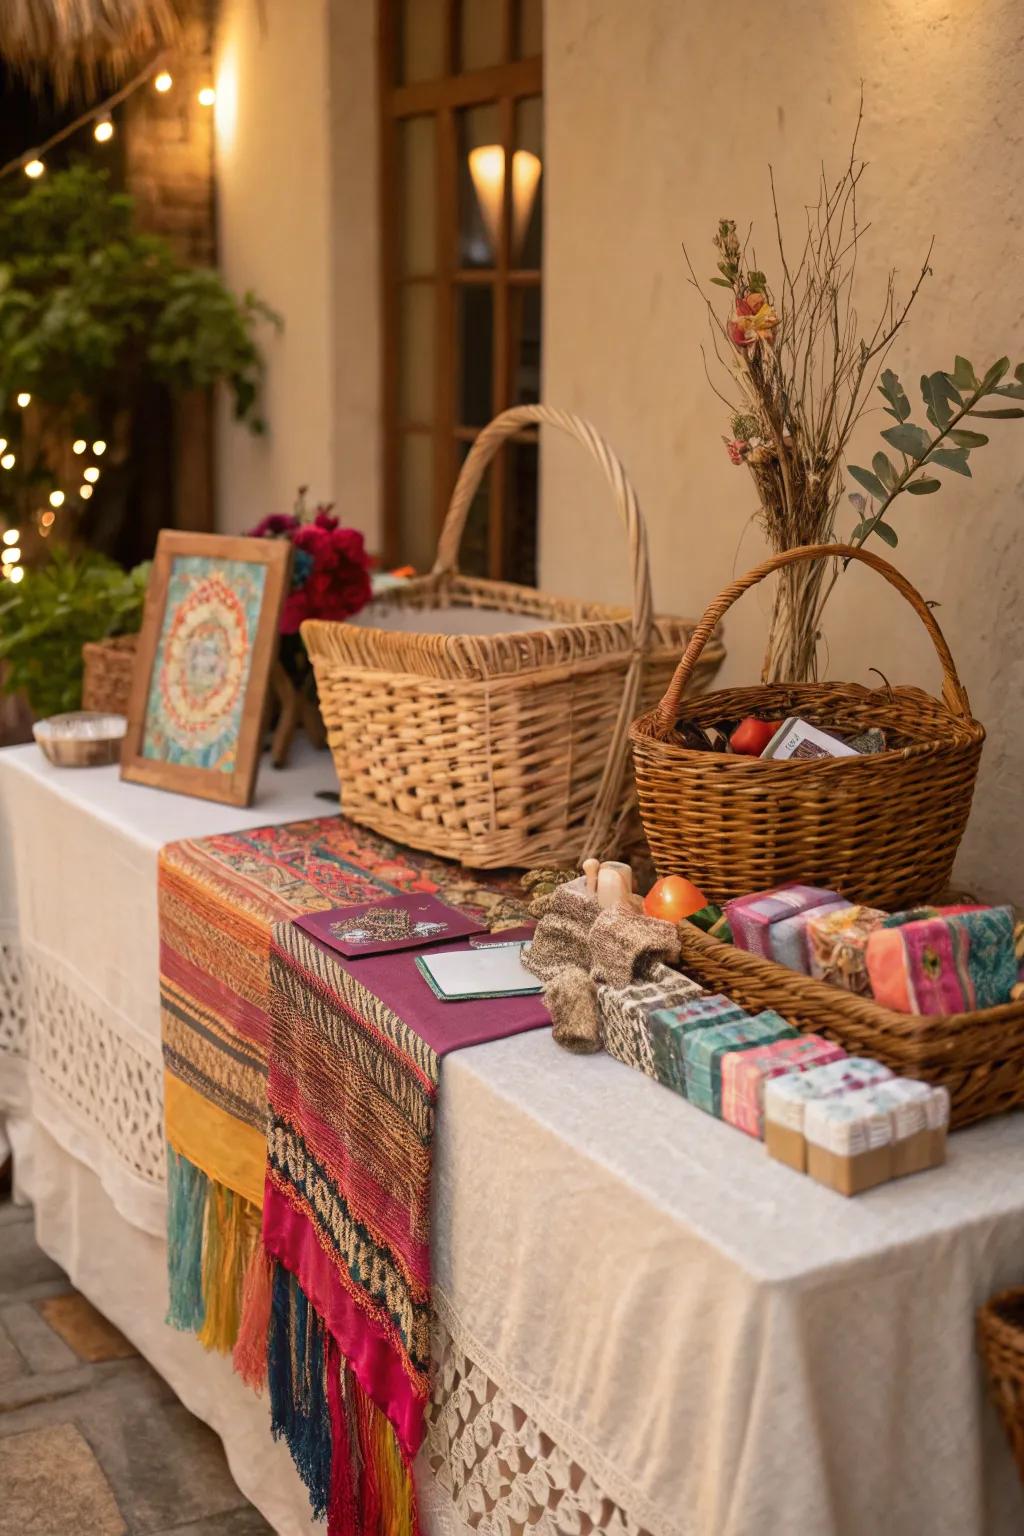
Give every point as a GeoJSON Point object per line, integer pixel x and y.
{"type": "Point", "coordinates": [417, 535]}
{"type": "Point", "coordinates": [475, 356]}
{"type": "Point", "coordinates": [481, 185]}
{"type": "Point", "coordinates": [481, 33]}
{"type": "Point", "coordinates": [417, 353]}
{"type": "Point", "coordinates": [417, 174]}
{"type": "Point", "coordinates": [420, 40]}
{"type": "Point", "coordinates": [527, 192]}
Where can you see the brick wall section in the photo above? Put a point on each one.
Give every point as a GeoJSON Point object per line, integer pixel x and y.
{"type": "Point", "coordinates": [168, 146]}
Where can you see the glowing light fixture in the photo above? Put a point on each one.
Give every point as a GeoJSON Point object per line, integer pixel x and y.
{"type": "Point", "coordinates": [487, 171]}
{"type": "Point", "coordinates": [85, 491]}
{"type": "Point", "coordinates": [17, 573]}
{"type": "Point", "coordinates": [56, 498]}
{"type": "Point", "coordinates": [7, 462]}
{"type": "Point", "coordinates": [79, 445]}
{"type": "Point", "coordinates": [99, 446]}
{"type": "Point", "coordinates": [47, 520]}
{"type": "Point", "coordinates": [24, 398]}
{"type": "Point", "coordinates": [11, 535]}
{"type": "Point", "coordinates": [163, 81]}
{"type": "Point", "coordinates": [207, 96]}
{"type": "Point", "coordinates": [103, 132]}
{"type": "Point", "coordinates": [34, 168]}
{"type": "Point", "coordinates": [91, 474]}
{"type": "Point", "coordinates": [11, 555]}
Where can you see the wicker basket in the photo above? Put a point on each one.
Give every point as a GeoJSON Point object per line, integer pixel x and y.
{"type": "Point", "coordinates": [1001, 1344]}
{"type": "Point", "coordinates": [882, 829]}
{"type": "Point", "coordinates": [497, 748]}
{"type": "Point", "coordinates": [107, 676]}
{"type": "Point", "coordinates": [979, 1056]}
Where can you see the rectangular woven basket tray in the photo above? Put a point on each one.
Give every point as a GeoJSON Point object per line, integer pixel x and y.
{"type": "Point", "coordinates": [979, 1057]}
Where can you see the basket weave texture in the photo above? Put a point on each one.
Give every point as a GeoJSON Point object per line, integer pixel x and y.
{"type": "Point", "coordinates": [882, 829]}
{"type": "Point", "coordinates": [107, 675]}
{"type": "Point", "coordinates": [499, 749]}
{"type": "Point", "coordinates": [1001, 1344]}
{"type": "Point", "coordinates": [978, 1056]}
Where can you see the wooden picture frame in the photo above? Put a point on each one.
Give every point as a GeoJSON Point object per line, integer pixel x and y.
{"type": "Point", "coordinates": [205, 611]}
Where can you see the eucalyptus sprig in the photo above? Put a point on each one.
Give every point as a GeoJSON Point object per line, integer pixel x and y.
{"type": "Point", "coordinates": [948, 399]}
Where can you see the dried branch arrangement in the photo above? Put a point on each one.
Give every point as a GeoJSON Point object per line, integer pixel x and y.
{"type": "Point", "coordinates": [802, 374]}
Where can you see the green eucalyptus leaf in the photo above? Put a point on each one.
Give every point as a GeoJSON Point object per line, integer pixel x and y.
{"type": "Point", "coordinates": [1012, 391]}
{"type": "Point", "coordinates": [894, 392]}
{"type": "Point", "coordinates": [721, 282]}
{"type": "Point", "coordinates": [887, 534]}
{"type": "Point", "coordinates": [995, 373]}
{"type": "Point", "coordinates": [963, 375]}
{"type": "Point", "coordinates": [1018, 373]}
{"type": "Point", "coordinates": [951, 458]}
{"type": "Point", "coordinates": [862, 530]}
{"type": "Point", "coordinates": [923, 487]}
{"type": "Point", "coordinates": [885, 470]}
{"type": "Point", "coordinates": [908, 439]}
{"type": "Point", "coordinates": [757, 281]}
{"type": "Point", "coordinates": [870, 482]}
{"type": "Point", "coordinates": [1011, 413]}
{"type": "Point", "coordinates": [965, 439]}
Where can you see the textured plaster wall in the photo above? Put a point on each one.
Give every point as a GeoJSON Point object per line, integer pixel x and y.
{"type": "Point", "coordinates": [274, 202]}
{"type": "Point", "coordinates": [661, 116]}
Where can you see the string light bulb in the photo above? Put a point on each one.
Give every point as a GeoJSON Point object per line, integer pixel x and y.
{"type": "Point", "coordinates": [7, 462]}
{"type": "Point", "coordinates": [56, 498]}
{"type": "Point", "coordinates": [99, 446]}
{"type": "Point", "coordinates": [24, 399]}
{"type": "Point", "coordinates": [207, 96]}
{"type": "Point", "coordinates": [16, 574]}
{"type": "Point", "coordinates": [85, 491]}
{"type": "Point", "coordinates": [91, 474]}
{"type": "Point", "coordinates": [79, 445]}
{"type": "Point", "coordinates": [163, 81]}
{"type": "Point", "coordinates": [47, 519]}
{"type": "Point", "coordinates": [3, 444]}
{"type": "Point", "coordinates": [103, 132]}
{"type": "Point", "coordinates": [11, 555]}
{"type": "Point", "coordinates": [34, 168]}
{"type": "Point", "coordinates": [11, 535]}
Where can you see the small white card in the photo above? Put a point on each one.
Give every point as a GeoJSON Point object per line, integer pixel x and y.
{"type": "Point", "coordinates": [494, 970]}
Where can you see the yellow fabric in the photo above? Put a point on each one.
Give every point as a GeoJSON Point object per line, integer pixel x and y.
{"type": "Point", "coordinates": [232, 1232]}
{"type": "Point", "coordinates": [228, 1151]}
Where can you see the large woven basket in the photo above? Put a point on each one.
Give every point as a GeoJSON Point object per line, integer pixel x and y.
{"type": "Point", "coordinates": [1001, 1344]}
{"type": "Point", "coordinates": [108, 666]}
{"type": "Point", "coordinates": [881, 829]}
{"type": "Point", "coordinates": [978, 1056]}
{"type": "Point", "coordinates": [504, 742]}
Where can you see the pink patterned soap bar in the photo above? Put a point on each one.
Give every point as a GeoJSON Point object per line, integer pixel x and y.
{"type": "Point", "coordinates": [744, 1074]}
{"type": "Point", "coordinates": [751, 917]}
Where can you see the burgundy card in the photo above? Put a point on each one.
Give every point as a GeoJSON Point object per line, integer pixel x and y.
{"type": "Point", "coordinates": [381, 927]}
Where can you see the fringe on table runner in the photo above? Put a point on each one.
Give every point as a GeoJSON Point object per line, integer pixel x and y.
{"type": "Point", "coordinates": [218, 1276]}
{"type": "Point", "coordinates": [344, 1448]}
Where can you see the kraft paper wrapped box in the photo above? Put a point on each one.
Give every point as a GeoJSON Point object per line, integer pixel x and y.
{"type": "Point", "coordinates": [786, 1100]}
{"type": "Point", "coordinates": [849, 1142]}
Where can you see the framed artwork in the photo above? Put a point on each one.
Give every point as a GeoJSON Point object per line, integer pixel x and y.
{"type": "Point", "coordinates": [208, 642]}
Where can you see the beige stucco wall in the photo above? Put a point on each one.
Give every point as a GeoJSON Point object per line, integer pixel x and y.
{"type": "Point", "coordinates": [661, 115]}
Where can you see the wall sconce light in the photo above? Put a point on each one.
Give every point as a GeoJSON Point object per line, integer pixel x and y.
{"type": "Point", "coordinates": [487, 170]}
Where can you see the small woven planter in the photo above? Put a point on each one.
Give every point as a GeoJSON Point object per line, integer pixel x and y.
{"type": "Point", "coordinates": [978, 1056]}
{"type": "Point", "coordinates": [502, 740]}
{"type": "Point", "coordinates": [1001, 1344]}
{"type": "Point", "coordinates": [881, 829]}
{"type": "Point", "coordinates": [108, 666]}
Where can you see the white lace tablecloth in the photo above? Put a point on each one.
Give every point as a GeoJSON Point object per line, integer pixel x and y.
{"type": "Point", "coordinates": [642, 1324]}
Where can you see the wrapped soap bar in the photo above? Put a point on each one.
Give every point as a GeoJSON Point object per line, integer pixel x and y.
{"type": "Point", "coordinates": [786, 1100]}
{"type": "Point", "coordinates": [669, 1027]}
{"type": "Point", "coordinates": [849, 1142]}
{"type": "Point", "coordinates": [920, 1120]}
{"type": "Point", "coordinates": [788, 938]}
{"type": "Point", "coordinates": [626, 1013]}
{"type": "Point", "coordinates": [704, 1049]}
{"type": "Point", "coordinates": [750, 917]}
{"type": "Point", "coordinates": [836, 942]}
{"type": "Point", "coordinates": [745, 1074]}
{"type": "Point", "coordinates": [954, 963]}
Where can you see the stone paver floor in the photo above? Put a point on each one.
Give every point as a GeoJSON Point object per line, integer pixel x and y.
{"type": "Point", "coordinates": [92, 1441]}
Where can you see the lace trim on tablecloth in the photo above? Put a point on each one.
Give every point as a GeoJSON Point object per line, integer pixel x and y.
{"type": "Point", "coordinates": [109, 1088]}
{"type": "Point", "coordinates": [13, 1009]}
{"type": "Point", "coordinates": [503, 1474]}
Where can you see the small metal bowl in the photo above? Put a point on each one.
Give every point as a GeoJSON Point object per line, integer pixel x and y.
{"type": "Point", "coordinates": [83, 739]}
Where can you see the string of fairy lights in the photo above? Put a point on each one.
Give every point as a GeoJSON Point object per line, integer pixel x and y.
{"type": "Point", "coordinates": [32, 163]}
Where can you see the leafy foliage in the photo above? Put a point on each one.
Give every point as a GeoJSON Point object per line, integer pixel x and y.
{"type": "Point", "coordinates": [948, 399]}
{"type": "Point", "coordinates": [88, 305]}
{"type": "Point", "coordinates": [46, 618]}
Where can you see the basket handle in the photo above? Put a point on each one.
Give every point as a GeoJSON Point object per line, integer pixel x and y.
{"type": "Point", "coordinates": [601, 828]}
{"type": "Point", "coordinates": [954, 694]}
{"type": "Point", "coordinates": [482, 452]}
